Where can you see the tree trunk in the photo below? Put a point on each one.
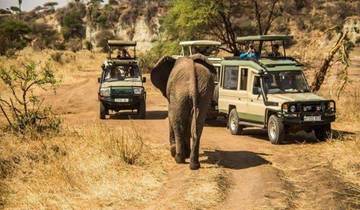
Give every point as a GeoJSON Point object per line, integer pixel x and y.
{"type": "Point", "coordinates": [321, 74]}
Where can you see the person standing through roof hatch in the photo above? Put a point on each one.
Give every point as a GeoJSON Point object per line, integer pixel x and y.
{"type": "Point", "coordinates": [275, 51]}
{"type": "Point", "coordinates": [250, 54]}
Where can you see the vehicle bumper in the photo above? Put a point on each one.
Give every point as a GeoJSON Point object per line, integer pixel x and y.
{"type": "Point", "coordinates": [132, 103]}
{"type": "Point", "coordinates": [325, 119]}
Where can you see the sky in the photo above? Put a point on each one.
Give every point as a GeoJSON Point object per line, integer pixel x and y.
{"type": "Point", "coordinates": [28, 5]}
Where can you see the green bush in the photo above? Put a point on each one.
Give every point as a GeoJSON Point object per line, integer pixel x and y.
{"type": "Point", "coordinates": [71, 20]}
{"type": "Point", "coordinates": [44, 35]}
{"type": "Point", "coordinates": [23, 109]}
{"type": "Point", "coordinates": [13, 34]}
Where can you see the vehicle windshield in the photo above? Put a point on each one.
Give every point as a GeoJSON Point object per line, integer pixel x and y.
{"type": "Point", "coordinates": [286, 82]}
{"type": "Point", "coordinates": [120, 73]}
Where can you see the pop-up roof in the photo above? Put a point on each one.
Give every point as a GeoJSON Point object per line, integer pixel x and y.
{"type": "Point", "coordinates": [200, 43]}
{"type": "Point", "coordinates": [264, 38]}
{"type": "Point", "coordinates": [121, 44]}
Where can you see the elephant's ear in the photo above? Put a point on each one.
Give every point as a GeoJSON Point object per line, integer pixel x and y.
{"type": "Point", "coordinates": [160, 73]}
{"type": "Point", "coordinates": [201, 59]}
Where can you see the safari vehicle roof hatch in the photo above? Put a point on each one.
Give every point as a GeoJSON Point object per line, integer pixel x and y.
{"type": "Point", "coordinates": [264, 38]}
{"type": "Point", "coordinates": [200, 43]}
{"type": "Point", "coordinates": [120, 44]}
{"type": "Point", "coordinates": [188, 48]}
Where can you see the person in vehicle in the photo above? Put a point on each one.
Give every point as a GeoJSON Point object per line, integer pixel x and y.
{"type": "Point", "coordinates": [123, 54]}
{"type": "Point", "coordinates": [250, 54]}
{"type": "Point", "coordinates": [275, 51]}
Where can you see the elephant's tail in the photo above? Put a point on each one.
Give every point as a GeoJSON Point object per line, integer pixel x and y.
{"type": "Point", "coordinates": [195, 109]}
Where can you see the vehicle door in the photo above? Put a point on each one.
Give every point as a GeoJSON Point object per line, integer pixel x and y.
{"type": "Point", "coordinates": [255, 106]}
{"type": "Point", "coordinates": [229, 94]}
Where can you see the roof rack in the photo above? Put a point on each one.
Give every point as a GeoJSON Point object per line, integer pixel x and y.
{"type": "Point", "coordinates": [200, 43]}
{"type": "Point", "coordinates": [264, 38]}
{"type": "Point", "coordinates": [120, 43]}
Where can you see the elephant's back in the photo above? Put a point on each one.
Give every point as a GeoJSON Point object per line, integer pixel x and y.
{"type": "Point", "coordinates": [180, 78]}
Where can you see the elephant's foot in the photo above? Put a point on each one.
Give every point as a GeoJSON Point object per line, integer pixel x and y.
{"type": "Point", "coordinates": [173, 150]}
{"type": "Point", "coordinates": [179, 158]}
{"type": "Point", "coordinates": [194, 165]}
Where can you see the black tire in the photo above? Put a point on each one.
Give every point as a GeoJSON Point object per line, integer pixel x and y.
{"type": "Point", "coordinates": [103, 111]}
{"type": "Point", "coordinates": [142, 109]}
{"type": "Point", "coordinates": [323, 132]}
{"type": "Point", "coordinates": [233, 123]}
{"type": "Point", "coordinates": [276, 130]}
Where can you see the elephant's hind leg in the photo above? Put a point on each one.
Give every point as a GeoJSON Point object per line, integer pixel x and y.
{"type": "Point", "coordinates": [187, 146]}
{"type": "Point", "coordinates": [172, 141]}
{"type": "Point", "coordinates": [179, 113]}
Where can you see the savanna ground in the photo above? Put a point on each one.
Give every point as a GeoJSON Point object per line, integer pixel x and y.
{"type": "Point", "coordinates": [83, 167]}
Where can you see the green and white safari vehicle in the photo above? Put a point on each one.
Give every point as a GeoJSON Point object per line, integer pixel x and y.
{"type": "Point", "coordinates": [272, 93]}
{"type": "Point", "coordinates": [210, 49]}
{"type": "Point", "coordinates": [121, 81]}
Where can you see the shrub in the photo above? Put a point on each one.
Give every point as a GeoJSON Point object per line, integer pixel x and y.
{"type": "Point", "coordinates": [13, 35]}
{"type": "Point", "coordinates": [23, 110]}
{"type": "Point", "coordinates": [88, 45]}
{"type": "Point", "coordinates": [44, 35]}
{"type": "Point", "coordinates": [71, 20]}
{"type": "Point", "coordinates": [74, 45]}
{"type": "Point", "coordinates": [128, 146]}
{"type": "Point", "coordinates": [57, 57]}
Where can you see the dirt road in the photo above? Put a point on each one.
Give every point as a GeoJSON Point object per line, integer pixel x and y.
{"type": "Point", "coordinates": [258, 171]}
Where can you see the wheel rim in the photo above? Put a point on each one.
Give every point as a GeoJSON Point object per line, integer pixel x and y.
{"type": "Point", "coordinates": [233, 123]}
{"type": "Point", "coordinates": [272, 129]}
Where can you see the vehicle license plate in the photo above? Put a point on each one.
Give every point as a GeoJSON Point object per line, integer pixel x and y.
{"type": "Point", "coordinates": [312, 118]}
{"type": "Point", "coordinates": [121, 100]}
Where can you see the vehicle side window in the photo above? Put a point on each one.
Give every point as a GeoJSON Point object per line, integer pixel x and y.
{"type": "Point", "coordinates": [244, 79]}
{"type": "Point", "coordinates": [231, 77]}
{"type": "Point", "coordinates": [256, 85]}
{"type": "Point", "coordinates": [217, 78]}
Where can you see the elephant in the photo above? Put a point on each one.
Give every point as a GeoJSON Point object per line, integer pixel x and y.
{"type": "Point", "coordinates": [188, 85]}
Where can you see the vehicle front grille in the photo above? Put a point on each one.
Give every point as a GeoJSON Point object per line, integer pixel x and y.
{"type": "Point", "coordinates": [121, 91]}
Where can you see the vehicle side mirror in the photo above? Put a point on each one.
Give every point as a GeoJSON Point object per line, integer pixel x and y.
{"type": "Point", "coordinates": [99, 79]}
{"type": "Point", "coordinates": [144, 79]}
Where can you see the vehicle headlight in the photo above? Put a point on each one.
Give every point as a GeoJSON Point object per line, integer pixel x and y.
{"type": "Point", "coordinates": [292, 108]}
{"type": "Point", "coordinates": [331, 106]}
{"type": "Point", "coordinates": [138, 90]}
{"type": "Point", "coordinates": [105, 92]}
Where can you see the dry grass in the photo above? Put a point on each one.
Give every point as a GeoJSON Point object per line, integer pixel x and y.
{"type": "Point", "coordinates": [206, 188]}
{"type": "Point", "coordinates": [80, 169]}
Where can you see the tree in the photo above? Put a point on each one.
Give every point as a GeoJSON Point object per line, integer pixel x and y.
{"type": "Point", "coordinates": [50, 5]}
{"type": "Point", "coordinates": [223, 20]}
{"type": "Point", "coordinates": [13, 34]}
{"type": "Point", "coordinates": [71, 20]}
{"type": "Point", "coordinates": [23, 109]}
{"type": "Point", "coordinates": [20, 3]}
{"type": "Point", "coordinates": [15, 10]}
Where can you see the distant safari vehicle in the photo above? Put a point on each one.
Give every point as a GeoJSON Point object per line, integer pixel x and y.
{"type": "Point", "coordinates": [271, 92]}
{"type": "Point", "coordinates": [121, 81]}
{"type": "Point", "coordinates": [210, 49]}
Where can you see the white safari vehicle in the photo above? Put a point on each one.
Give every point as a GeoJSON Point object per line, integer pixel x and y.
{"type": "Point", "coordinates": [121, 81]}
{"type": "Point", "coordinates": [272, 93]}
